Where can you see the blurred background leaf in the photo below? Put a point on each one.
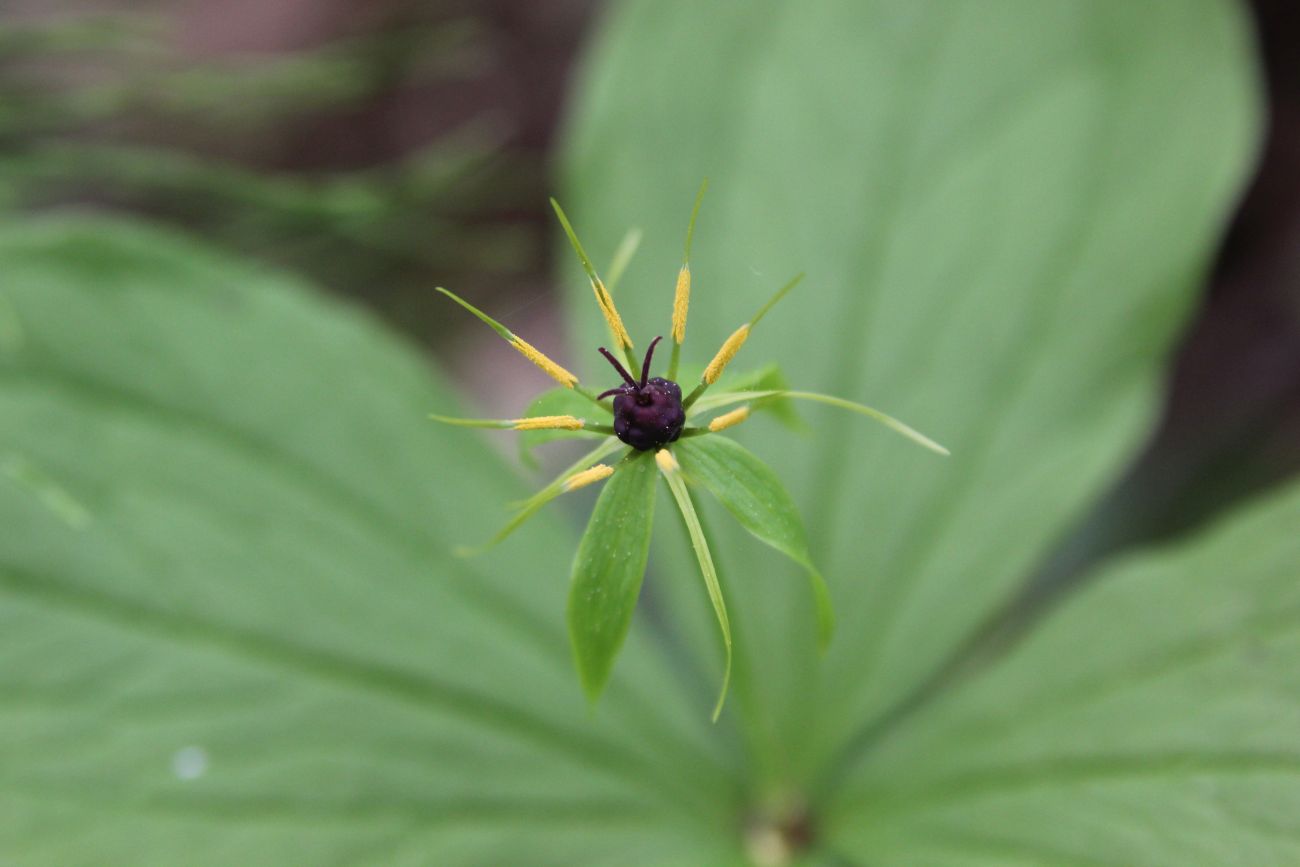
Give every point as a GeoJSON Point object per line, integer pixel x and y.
{"type": "Point", "coordinates": [1150, 721]}
{"type": "Point", "coordinates": [232, 627]}
{"type": "Point", "coordinates": [1004, 211]}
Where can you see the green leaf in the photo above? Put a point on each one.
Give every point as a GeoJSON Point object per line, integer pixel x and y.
{"type": "Point", "coordinates": [556, 401]}
{"type": "Point", "coordinates": [1004, 209]}
{"type": "Point", "coordinates": [232, 629]}
{"type": "Point", "coordinates": [768, 378]}
{"type": "Point", "coordinates": [1150, 720]}
{"type": "Point", "coordinates": [672, 475]}
{"type": "Point", "coordinates": [753, 493]}
{"type": "Point", "coordinates": [608, 569]}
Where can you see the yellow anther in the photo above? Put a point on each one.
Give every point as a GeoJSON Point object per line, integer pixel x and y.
{"type": "Point", "coordinates": [606, 302]}
{"type": "Point", "coordinates": [549, 422]}
{"type": "Point", "coordinates": [729, 419]}
{"type": "Point", "coordinates": [550, 368]}
{"type": "Point", "coordinates": [725, 354]}
{"type": "Point", "coordinates": [588, 477]}
{"type": "Point", "coordinates": [681, 301]}
{"type": "Point", "coordinates": [666, 461]}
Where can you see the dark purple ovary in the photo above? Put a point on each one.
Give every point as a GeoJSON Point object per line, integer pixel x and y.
{"type": "Point", "coordinates": [648, 413]}
{"type": "Point", "coordinates": [650, 416]}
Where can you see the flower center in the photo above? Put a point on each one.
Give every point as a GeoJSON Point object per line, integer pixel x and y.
{"type": "Point", "coordinates": [648, 412]}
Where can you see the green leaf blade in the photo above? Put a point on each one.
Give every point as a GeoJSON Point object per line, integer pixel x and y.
{"type": "Point", "coordinates": [1003, 237]}
{"type": "Point", "coordinates": [608, 570]}
{"type": "Point", "coordinates": [228, 534]}
{"type": "Point", "coordinates": [1148, 720]}
{"type": "Point", "coordinates": [753, 493]}
{"type": "Point", "coordinates": [768, 378]}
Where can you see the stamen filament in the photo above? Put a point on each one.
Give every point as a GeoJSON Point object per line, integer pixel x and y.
{"type": "Point", "coordinates": [574, 242]}
{"type": "Point", "coordinates": [598, 400]}
{"type": "Point", "coordinates": [603, 299]}
{"type": "Point", "coordinates": [483, 317]}
{"type": "Point", "coordinates": [694, 395]}
{"type": "Point", "coordinates": [682, 295]}
{"type": "Point", "coordinates": [498, 423]}
{"type": "Point", "coordinates": [771, 302]}
{"type": "Point", "coordinates": [688, 432]}
{"type": "Point", "coordinates": [523, 347]}
{"type": "Point", "coordinates": [695, 213]}
{"type": "Point", "coordinates": [674, 360]}
{"type": "Point", "coordinates": [622, 258]}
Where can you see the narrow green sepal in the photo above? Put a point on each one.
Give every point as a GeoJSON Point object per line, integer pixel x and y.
{"type": "Point", "coordinates": [695, 213]}
{"type": "Point", "coordinates": [575, 243]}
{"type": "Point", "coordinates": [749, 489]}
{"type": "Point", "coordinates": [623, 256]}
{"type": "Point", "coordinates": [777, 296]}
{"type": "Point", "coordinates": [497, 423]}
{"type": "Point", "coordinates": [483, 317]}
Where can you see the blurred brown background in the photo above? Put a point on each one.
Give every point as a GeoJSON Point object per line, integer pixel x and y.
{"type": "Point", "coordinates": [384, 147]}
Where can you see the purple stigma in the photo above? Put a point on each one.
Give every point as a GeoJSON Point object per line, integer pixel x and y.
{"type": "Point", "coordinates": [622, 371]}
{"type": "Point", "coordinates": [645, 367]}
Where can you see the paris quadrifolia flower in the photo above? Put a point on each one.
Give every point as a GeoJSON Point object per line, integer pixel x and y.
{"type": "Point", "coordinates": [648, 429]}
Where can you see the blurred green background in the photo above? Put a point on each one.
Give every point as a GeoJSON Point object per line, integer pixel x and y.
{"type": "Point", "coordinates": [1059, 236]}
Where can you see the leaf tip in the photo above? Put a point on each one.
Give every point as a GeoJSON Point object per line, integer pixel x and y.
{"type": "Point", "coordinates": [592, 677]}
{"type": "Point", "coordinates": [726, 684]}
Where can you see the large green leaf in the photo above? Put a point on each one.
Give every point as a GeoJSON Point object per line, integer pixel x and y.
{"type": "Point", "coordinates": [1153, 720]}
{"type": "Point", "coordinates": [231, 627]}
{"type": "Point", "coordinates": [1003, 209]}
